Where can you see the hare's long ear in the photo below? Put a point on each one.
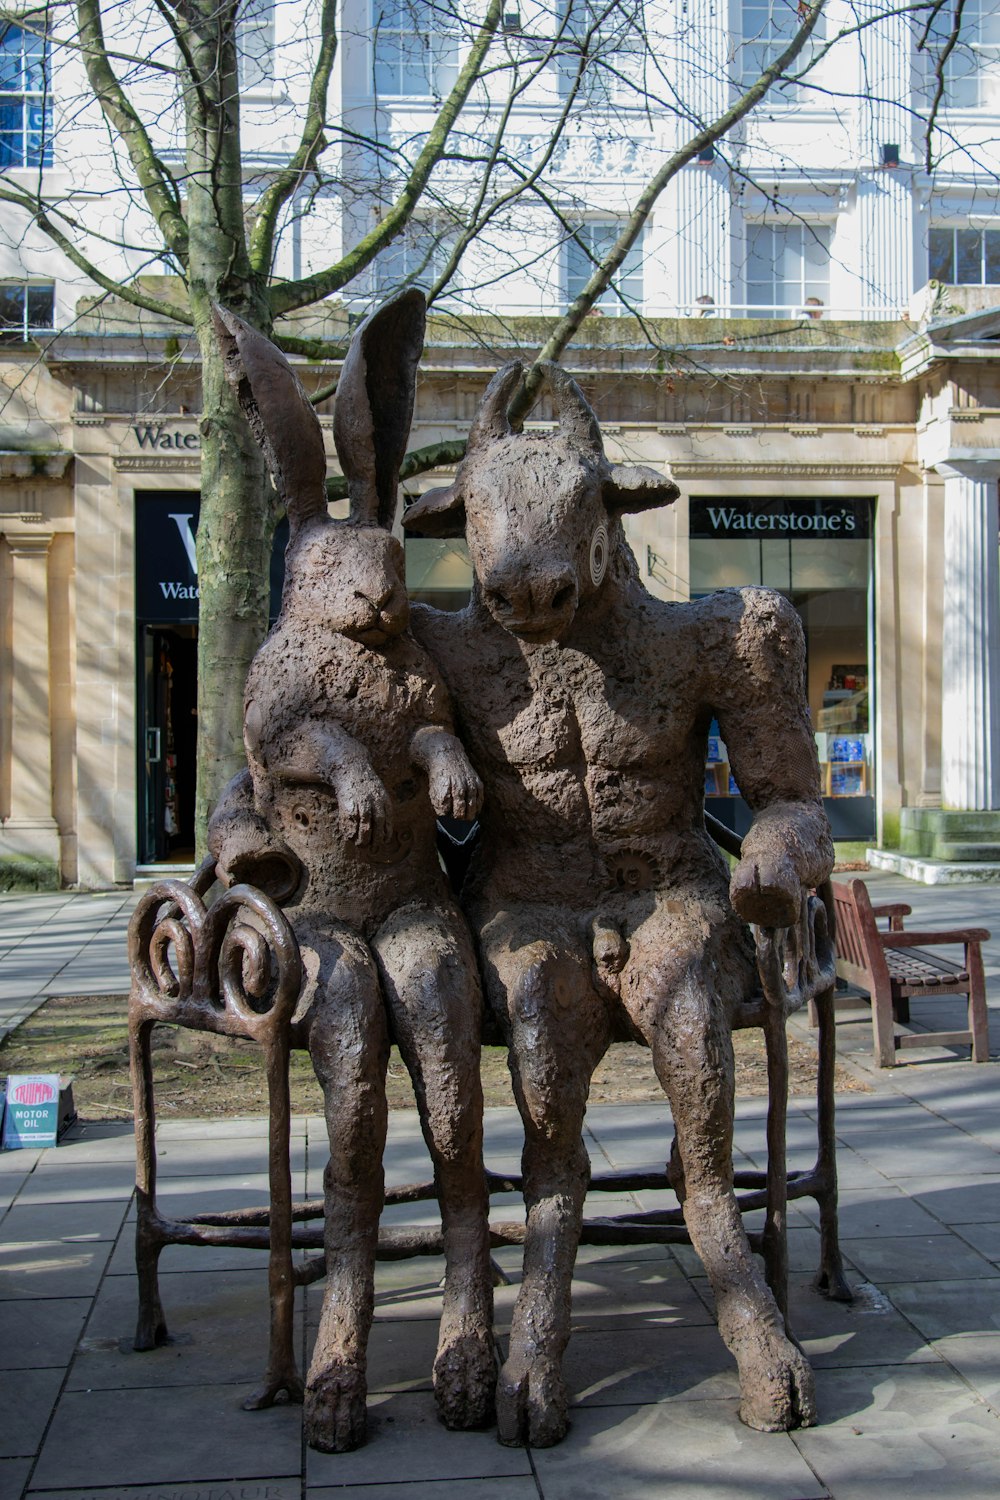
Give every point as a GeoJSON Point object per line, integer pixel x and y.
{"type": "Point", "coordinates": [371, 419]}
{"type": "Point", "coordinates": [280, 415]}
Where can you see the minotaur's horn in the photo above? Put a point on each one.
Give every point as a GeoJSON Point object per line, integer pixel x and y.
{"type": "Point", "coordinates": [576, 419]}
{"type": "Point", "coordinates": [490, 421]}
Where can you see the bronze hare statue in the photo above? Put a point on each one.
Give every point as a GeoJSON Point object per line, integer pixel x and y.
{"type": "Point", "coordinates": [350, 755]}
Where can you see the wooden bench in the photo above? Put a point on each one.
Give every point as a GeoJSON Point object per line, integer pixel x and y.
{"type": "Point", "coordinates": [893, 968]}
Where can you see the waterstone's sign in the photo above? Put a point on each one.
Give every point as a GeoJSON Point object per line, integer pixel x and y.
{"type": "Point", "coordinates": [846, 520]}
{"type": "Point", "coordinates": [159, 435]}
{"type": "Point", "coordinates": [166, 560]}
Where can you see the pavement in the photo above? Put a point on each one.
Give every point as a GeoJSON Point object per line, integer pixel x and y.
{"type": "Point", "coordinates": [908, 1377]}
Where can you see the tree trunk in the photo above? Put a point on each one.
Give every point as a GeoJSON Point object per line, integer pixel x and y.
{"type": "Point", "coordinates": [237, 522]}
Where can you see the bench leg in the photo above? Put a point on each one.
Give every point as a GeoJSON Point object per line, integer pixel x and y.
{"type": "Point", "coordinates": [151, 1326]}
{"type": "Point", "coordinates": [882, 1027]}
{"type": "Point", "coordinates": [978, 1015]}
{"type": "Point", "coordinates": [830, 1278]}
{"type": "Point", "coordinates": [776, 1217]}
{"type": "Point", "coordinates": [282, 1371]}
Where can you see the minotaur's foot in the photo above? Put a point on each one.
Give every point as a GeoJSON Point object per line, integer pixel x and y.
{"type": "Point", "coordinates": [532, 1403]}
{"type": "Point", "coordinates": [334, 1414]}
{"type": "Point", "coordinates": [465, 1378]}
{"type": "Point", "coordinates": [776, 1384]}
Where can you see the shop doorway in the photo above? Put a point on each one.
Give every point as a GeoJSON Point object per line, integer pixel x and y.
{"type": "Point", "coordinates": [169, 655]}
{"type": "Point", "coordinates": [166, 523]}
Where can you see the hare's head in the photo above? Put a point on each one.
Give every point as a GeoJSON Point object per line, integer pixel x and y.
{"type": "Point", "coordinates": [349, 579]}
{"type": "Point", "coordinates": [344, 576]}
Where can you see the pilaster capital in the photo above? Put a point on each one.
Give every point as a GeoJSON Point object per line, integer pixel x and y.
{"type": "Point", "coordinates": [981, 469]}
{"type": "Point", "coordinates": [29, 543]}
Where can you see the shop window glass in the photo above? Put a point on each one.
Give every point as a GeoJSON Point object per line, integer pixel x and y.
{"type": "Point", "coordinates": [818, 554]}
{"type": "Point", "coordinates": [412, 52]}
{"type": "Point", "coordinates": [965, 257]}
{"type": "Point", "coordinates": [438, 572]}
{"type": "Point", "coordinates": [592, 242]}
{"type": "Point", "coordinates": [25, 109]}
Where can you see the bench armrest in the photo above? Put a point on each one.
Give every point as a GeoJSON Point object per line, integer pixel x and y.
{"type": "Point", "coordinates": [895, 911]}
{"type": "Point", "coordinates": [932, 939]}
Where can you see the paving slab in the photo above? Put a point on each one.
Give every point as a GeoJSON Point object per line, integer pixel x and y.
{"type": "Point", "coordinates": [674, 1451]}
{"type": "Point", "coordinates": [976, 1358]}
{"type": "Point", "coordinates": [25, 1410]}
{"type": "Point", "coordinates": [939, 1309]}
{"type": "Point", "coordinates": [218, 1322]}
{"type": "Point", "coordinates": [918, 1431]}
{"type": "Point", "coordinates": [510, 1488]}
{"type": "Point", "coordinates": [99, 1439]}
{"type": "Point", "coordinates": [78, 1222]}
{"type": "Point", "coordinates": [13, 1477]}
{"type": "Point", "coordinates": [51, 1268]}
{"type": "Point", "coordinates": [405, 1438]}
{"type": "Point", "coordinates": [40, 1333]}
{"type": "Point", "coordinates": [936, 1258]}
{"type": "Point", "coordinates": [982, 1237]}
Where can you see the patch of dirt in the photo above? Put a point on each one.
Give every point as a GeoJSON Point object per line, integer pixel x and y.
{"type": "Point", "coordinates": [86, 1037]}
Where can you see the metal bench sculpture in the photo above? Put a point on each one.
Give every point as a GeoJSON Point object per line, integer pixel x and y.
{"type": "Point", "coordinates": [601, 904]}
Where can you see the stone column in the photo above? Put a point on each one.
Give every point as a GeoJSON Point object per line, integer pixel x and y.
{"type": "Point", "coordinates": [970, 728]}
{"type": "Point", "coordinates": [31, 829]}
{"type": "Point", "coordinates": [701, 205]}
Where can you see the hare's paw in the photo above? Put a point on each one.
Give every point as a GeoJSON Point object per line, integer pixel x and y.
{"type": "Point", "coordinates": [334, 1413]}
{"type": "Point", "coordinates": [465, 1377]}
{"type": "Point", "coordinates": [776, 1384]}
{"type": "Point", "coordinates": [455, 789]}
{"type": "Point", "coordinates": [365, 812]}
{"type": "Point", "coordinates": [532, 1403]}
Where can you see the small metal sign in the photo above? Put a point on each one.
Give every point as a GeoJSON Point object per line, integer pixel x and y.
{"type": "Point", "coordinates": [38, 1107]}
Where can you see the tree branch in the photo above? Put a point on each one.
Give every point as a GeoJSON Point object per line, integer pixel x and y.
{"type": "Point", "coordinates": [157, 184]}
{"type": "Point", "coordinates": [312, 144]}
{"type": "Point", "coordinates": [292, 294]}
{"type": "Point", "coordinates": [604, 273]}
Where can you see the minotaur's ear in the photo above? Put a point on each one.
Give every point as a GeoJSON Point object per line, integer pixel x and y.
{"type": "Point", "coordinates": [633, 487]}
{"type": "Point", "coordinates": [438, 513]}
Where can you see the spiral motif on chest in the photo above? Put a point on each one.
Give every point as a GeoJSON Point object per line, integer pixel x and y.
{"type": "Point", "coordinates": [631, 870]}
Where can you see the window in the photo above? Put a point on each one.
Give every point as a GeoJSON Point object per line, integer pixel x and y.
{"type": "Point", "coordinates": [591, 244]}
{"type": "Point", "coordinates": [411, 53]}
{"type": "Point", "coordinates": [768, 26]}
{"type": "Point", "coordinates": [970, 69]}
{"type": "Point", "coordinates": [965, 257]}
{"type": "Point", "coordinates": [417, 257]}
{"type": "Point", "coordinates": [25, 309]}
{"type": "Point", "coordinates": [255, 43]}
{"type": "Point", "coordinates": [788, 269]}
{"type": "Point", "coordinates": [25, 111]}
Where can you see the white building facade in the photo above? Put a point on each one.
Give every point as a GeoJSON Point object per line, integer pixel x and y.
{"type": "Point", "coordinates": [804, 328]}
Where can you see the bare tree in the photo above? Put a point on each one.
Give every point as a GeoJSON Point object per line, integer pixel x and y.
{"type": "Point", "coordinates": [162, 90]}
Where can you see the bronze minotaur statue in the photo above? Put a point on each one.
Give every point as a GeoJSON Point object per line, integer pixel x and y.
{"type": "Point", "coordinates": [351, 754]}
{"type": "Point", "coordinates": [599, 901]}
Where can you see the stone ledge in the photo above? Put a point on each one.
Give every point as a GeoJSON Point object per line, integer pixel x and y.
{"type": "Point", "coordinates": [933, 871]}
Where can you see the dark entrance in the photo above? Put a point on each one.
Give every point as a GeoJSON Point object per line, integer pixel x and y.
{"type": "Point", "coordinates": [166, 608]}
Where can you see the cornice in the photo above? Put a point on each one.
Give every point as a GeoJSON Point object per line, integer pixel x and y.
{"type": "Point", "coordinates": [139, 463]}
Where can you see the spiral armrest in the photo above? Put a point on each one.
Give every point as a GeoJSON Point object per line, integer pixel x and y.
{"type": "Point", "coordinates": [231, 967]}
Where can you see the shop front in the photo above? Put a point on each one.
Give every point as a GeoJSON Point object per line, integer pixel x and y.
{"type": "Point", "coordinates": [818, 553]}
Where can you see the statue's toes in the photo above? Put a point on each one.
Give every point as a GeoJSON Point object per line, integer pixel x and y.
{"type": "Point", "coordinates": [777, 1386]}
{"type": "Point", "coordinates": [532, 1403]}
{"type": "Point", "coordinates": [465, 1378]}
{"type": "Point", "coordinates": [334, 1415]}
